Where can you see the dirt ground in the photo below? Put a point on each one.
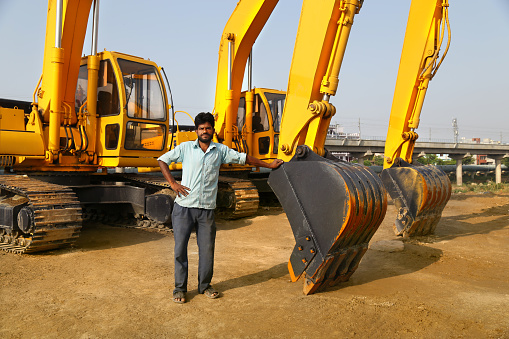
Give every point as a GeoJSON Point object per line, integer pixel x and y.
{"type": "Point", "coordinates": [116, 283]}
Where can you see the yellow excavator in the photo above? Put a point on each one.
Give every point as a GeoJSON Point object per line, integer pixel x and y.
{"type": "Point", "coordinates": [334, 207]}
{"type": "Point", "coordinates": [110, 110]}
{"type": "Point", "coordinates": [420, 193]}
{"type": "Point", "coordinates": [88, 116]}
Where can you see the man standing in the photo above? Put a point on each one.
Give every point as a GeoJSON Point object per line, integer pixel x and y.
{"type": "Point", "coordinates": [196, 200]}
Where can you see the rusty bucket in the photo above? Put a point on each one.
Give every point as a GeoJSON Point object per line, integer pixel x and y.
{"type": "Point", "coordinates": [420, 194]}
{"type": "Point", "coordinates": [334, 208]}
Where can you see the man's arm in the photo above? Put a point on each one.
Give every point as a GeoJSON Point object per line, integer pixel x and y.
{"type": "Point", "coordinates": [175, 186]}
{"type": "Point", "coordinates": [258, 163]}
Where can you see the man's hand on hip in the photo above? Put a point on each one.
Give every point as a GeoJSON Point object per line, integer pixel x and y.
{"type": "Point", "coordinates": [179, 189]}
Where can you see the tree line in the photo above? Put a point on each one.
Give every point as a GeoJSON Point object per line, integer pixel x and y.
{"type": "Point", "coordinates": [428, 159]}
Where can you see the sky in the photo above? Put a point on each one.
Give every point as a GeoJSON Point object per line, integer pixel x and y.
{"type": "Point", "coordinates": [472, 84]}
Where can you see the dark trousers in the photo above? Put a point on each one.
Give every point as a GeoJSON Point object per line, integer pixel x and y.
{"type": "Point", "coordinates": [184, 220]}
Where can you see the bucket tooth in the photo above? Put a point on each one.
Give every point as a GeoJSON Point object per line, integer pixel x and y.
{"type": "Point", "coordinates": [334, 208]}
{"type": "Point", "coordinates": [420, 194]}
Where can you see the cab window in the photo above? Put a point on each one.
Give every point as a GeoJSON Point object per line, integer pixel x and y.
{"type": "Point", "coordinates": [143, 136]}
{"type": "Point", "coordinates": [81, 88]}
{"type": "Point", "coordinates": [107, 90]}
{"type": "Point", "coordinates": [260, 117]}
{"type": "Point", "coordinates": [241, 114]}
{"type": "Point", "coordinates": [143, 91]}
{"type": "Point", "coordinates": [276, 103]}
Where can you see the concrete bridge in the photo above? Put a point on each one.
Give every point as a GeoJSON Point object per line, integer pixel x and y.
{"type": "Point", "coordinates": [362, 148]}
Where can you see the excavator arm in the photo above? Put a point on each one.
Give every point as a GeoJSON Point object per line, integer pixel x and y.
{"type": "Point", "coordinates": [420, 193]}
{"type": "Point", "coordinates": [322, 36]}
{"type": "Point", "coordinates": [333, 207]}
{"type": "Point", "coordinates": [74, 20]}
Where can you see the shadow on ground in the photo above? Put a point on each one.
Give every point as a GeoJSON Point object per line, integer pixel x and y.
{"type": "Point", "coordinates": [375, 265]}
{"type": "Point", "coordinates": [97, 236]}
{"type": "Point", "coordinates": [464, 225]}
{"type": "Point", "coordinates": [232, 224]}
{"type": "Point", "coordinates": [274, 272]}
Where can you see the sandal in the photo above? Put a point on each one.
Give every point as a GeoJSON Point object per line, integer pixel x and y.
{"type": "Point", "coordinates": [179, 297]}
{"type": "Point", "coordinates": [211, 293]}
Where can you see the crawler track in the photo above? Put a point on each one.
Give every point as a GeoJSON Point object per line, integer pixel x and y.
{"type": "Point", "coordinates": [236, 198]}
{"type": "Point", "coordinates": [57, 215]}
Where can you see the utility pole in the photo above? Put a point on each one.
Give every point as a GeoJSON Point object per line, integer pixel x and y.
{"type": "Point", "coordinates": [430, 134]}
{"type": "Point", "coordinates": [359, 128]}
{"type": "Point", "coordinates": [455, 127]}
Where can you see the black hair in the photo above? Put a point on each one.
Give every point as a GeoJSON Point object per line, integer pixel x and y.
{"type": "Point", "coordinates": [204, 117]}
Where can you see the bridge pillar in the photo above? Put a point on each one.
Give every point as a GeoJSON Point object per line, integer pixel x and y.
{"type": "Point", "coordinates": [459, 172]}
{"type": "Point", "coordinates": [498, 166]}
{"type": "Point", "coordinates": [459, 167]}
{"type": "Point", "coordinates": [361, 155]}
{"type": "Point", "coordinates": [416, 156]}
{"type": "Point", "coordinates": [498, 170]}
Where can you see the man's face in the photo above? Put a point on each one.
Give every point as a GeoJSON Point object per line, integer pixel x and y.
{"type": "Point", "coordinates": [205, 132]}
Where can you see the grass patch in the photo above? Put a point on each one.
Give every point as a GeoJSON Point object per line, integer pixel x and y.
{"type": "Point", "coordinates": [482, 187]}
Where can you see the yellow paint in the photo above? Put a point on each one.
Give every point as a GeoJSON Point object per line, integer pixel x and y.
{"type": "Point", "coordinates": [242, 28]}
{"type": "Point", "coordinates": [322, 35]}
{"type": "Point", "coordinates": [418, 64]}
{"type": "Point", "coordinates": [44, 143]}
{"type": "Point", "coordinates": [12, 119]}
{"type": "Point", "coordinates": [10, 143]}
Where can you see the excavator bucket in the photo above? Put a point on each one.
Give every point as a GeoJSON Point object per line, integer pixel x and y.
{"type": "Point", "coordinates": [420, 194]}
{"type": "Point", "coordinates": [334, 208]}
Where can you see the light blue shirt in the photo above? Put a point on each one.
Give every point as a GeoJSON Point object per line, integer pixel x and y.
{"type": "Point", "coordinates": [200, 171]}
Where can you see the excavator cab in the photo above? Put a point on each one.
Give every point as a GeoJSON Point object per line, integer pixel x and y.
{"type": "Point", "coordinates": [131, 109]}
{"type": "Point", "coordinates": [261, 140]}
